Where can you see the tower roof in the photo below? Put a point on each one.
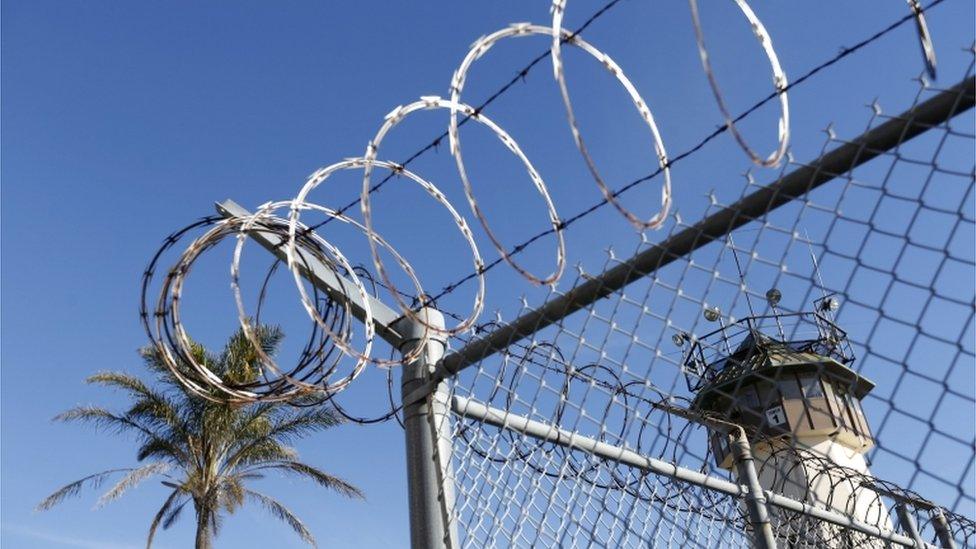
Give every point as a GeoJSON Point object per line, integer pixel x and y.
{"type": "Point", "coordinates": [761, 357]}
{"type": "Point", "coordinates": [807, 342]}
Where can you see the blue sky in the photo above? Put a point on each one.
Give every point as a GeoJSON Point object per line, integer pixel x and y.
{"type": "Point", "coordinates": [122, 122]}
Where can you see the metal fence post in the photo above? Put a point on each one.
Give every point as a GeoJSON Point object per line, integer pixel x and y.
{"type": "Point", "coordinates": [430, 483]}
{"type": "Point", "coordinates": [942, 530]}
{"type": "Point", "coordinates": [762, 529]}
{"type": "Point", "coordinates": [908, 523]}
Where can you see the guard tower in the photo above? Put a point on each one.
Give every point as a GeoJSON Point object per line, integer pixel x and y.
{"type": "Point", "coordinates": [787, 379]}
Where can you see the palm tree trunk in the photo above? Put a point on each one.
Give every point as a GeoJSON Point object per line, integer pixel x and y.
{"type": "Point", "coordinates": [203, 527]}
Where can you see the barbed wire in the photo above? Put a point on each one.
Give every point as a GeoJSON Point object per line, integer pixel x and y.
{"type": "Point", "coordinates": [845, 52]}
{"type": "Point", "coordinates": [303, 245]}
{"type": "Point", "coordinates": [520, 76]}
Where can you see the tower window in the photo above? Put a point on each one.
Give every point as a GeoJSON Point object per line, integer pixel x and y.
{"type": "Point", "coordinates": [790, 389]}
{"type": "Point", "coordinates": [749, 398]}
{"type": "Point", "coordinates": [811, 386]}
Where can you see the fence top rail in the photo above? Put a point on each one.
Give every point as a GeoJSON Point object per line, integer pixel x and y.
{"type": "Point", "coordinates": [898, 129]}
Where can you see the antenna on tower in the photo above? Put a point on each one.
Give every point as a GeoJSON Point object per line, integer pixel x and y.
{"type": "Point", "coordinates": [827, 304]}
{"type": "Point", "coordinates": [742, 278]}
{"type": "Point", "coordinates": [816, 266]}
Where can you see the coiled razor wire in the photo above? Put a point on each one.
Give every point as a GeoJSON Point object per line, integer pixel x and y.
{"type": "Point", "coordinates": [303, 245]}
{"type": "Point", "coordinates": [525, 29]}
{"type": "Point", "coordinates": [312, 376]}
{"type": "Point", "coordinates": [781, 462]}
{"type": "Point", "coordinates": [779, 82]}
{"type": "Point", "coordinates": [917, 15]}
{"type": "Point", "coordinates": [183, 356]}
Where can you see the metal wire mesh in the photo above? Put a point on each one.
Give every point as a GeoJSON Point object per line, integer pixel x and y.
{"type": "Point", "coordinates": [597, 430]}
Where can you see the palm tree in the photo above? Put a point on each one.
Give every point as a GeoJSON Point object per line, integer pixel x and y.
{"type": "Point", "coordinates": [205, 452]}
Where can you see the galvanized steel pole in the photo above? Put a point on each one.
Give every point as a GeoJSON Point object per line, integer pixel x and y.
{"type": "Point", "coordinates": [427, 424]}
{"type": "Point", "coordinates": [942, 530]}
{"type": "Point", "coordinates": [762, 529]}
{"type": "Point", "coordinates": [908, 523]}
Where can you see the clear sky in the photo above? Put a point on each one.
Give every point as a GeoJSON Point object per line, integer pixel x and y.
{"type": "Point", "coordinates": [124, 121]}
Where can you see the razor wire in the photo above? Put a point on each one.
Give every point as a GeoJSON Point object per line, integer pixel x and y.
{"type": "Point", "coordinates": [926, 44]}
{"type": "Point", "coordinates": [170, 336]}
{"type": "Point", "coordinates": [603, 374]}
{"type": "Point", "coordinates": [175, 345]}
{"type": "Point", "coordinates": [892, 241]}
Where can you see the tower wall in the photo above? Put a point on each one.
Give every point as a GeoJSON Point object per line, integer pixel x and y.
{"type": "Point", "coordinates": [819, 472]}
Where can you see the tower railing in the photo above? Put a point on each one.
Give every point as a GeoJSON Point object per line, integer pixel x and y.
{"type": "Point", "coordinates": [722, 351]}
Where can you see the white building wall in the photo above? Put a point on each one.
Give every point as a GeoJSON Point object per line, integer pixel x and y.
{"type": "Point", "coordinates": [814, 476]}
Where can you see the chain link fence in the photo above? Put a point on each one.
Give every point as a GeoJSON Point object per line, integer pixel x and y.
{"type": "Point", "coordinates": [610, 416]}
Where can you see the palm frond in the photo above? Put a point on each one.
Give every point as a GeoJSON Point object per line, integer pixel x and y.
{"type": "Point", "coordinates": [320, 477]}
{"type": "Point", "coordinates": [283, 514]}
{"type": "Point", "coordinates": [154, 359]}
{"type": "Point", "coordinates": [231, 494]}
{"type": "Point", "coordinates": [285, 430]}
{"type": "Point", "coordinates": [122, 380]}
{"type": "Point", "coordinates": [159, 516]}
{"type": "Point", "coordinates": [162, 448]}
{"type": "Point", "coordinates": [104, 419]}
{"type": "Point", "coordinates": [257, 420]}
{"type": "Point", "coordinates": [160, 411]}
{"type": "Point", "coordinates": [240, 347]}
{"type": "Point", "coordinates": [250, 476]}
{"type": "Point", "coordinates": [72, 489]}
{"type": "Point", "coordinates": [131, 480]}
{"type": "Point", "coordinates": [239, 361]}
{"type": "Point", "coordinates": [306, 423]}
{"type": "Point", "coordinates": [174, 514]}
{"type": "Point", "coordinates": [261, 452]}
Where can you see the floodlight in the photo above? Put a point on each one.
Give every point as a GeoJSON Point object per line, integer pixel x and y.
{"type": "Point", "coordinates": [712, 313]}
